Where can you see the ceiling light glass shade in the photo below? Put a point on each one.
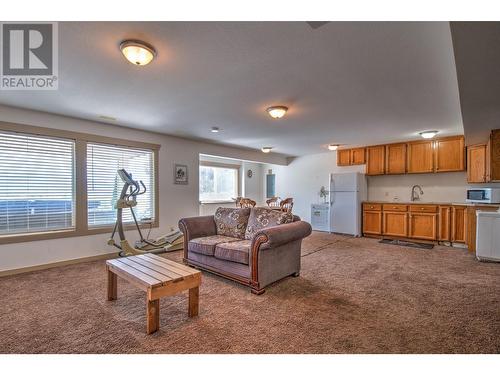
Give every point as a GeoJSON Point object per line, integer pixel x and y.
{"type": "Point", "coordinates": [277, 111]}
{"type": "Point", "coordinates": [428, 134]}
{"type": "Point", "coordinates": [137, 53]}
{"type": "Point", "coordinates": [266, 150]}
{"type": "Point", "coordinates": [333, 147]}
{"type": "Point", "coordinates": [214, 129]}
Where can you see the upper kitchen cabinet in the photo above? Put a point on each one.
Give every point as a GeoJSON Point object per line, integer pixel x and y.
{"type": "Point", "coordinates": [478, 163]}
{"type": "Point", "coordinates": [357, 156]}
{"type": "Point", "coordinates": [343, 157]}
{"type": "Point", "coordinates": [449, 154]}
{"type": "Point", "coordinates": [483, 161]}
{"type": "Point", "coordinates": [494, 153]}
{"type": "Point", "coordinates": [375, 160]}
{"type": "Point", "coordinates": [395, 158]}
{"type": "Point", "coordinates": [421, 157]}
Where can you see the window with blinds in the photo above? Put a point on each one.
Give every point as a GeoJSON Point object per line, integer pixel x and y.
{"type": "Point", "coordinates": [37, 183]}
{"type": "Point", "coordinates": [104, 185]}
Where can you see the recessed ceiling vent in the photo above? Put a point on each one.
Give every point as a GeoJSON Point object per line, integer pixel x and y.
{"type": "Point", "coordinates": [316, 24]}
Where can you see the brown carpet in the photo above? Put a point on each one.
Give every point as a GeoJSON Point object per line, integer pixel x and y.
{"type": "Point", "coordinates": [353, 296]}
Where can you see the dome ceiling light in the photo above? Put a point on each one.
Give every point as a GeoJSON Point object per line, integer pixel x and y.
{"type": "Point", "coordinates": [266, 150]}
{"type": "Point", "coordinates": [333, 147]}
{"type": "Point", "coordinates": [277, 111]}
{"type": "Point", "coordinates": [137, 52]}
{"type": "Point", "coordinates": [428, 134]}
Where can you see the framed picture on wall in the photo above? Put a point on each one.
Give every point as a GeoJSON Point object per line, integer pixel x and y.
{"type": "Point", "coordinates": [180, 174]}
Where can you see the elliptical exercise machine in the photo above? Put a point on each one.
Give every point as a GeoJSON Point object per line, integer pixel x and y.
{"type": "Point", "coordinates": [128, 199]}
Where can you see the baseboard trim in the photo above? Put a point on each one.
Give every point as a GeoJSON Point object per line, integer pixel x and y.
{"type": "Point", "coordinates": [57, 264]}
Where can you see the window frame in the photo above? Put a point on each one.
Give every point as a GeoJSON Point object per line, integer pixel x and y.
{"type": "Point", "coordinates": [80, 165]}
{"type": "Point", "coordinates": [236, 167]}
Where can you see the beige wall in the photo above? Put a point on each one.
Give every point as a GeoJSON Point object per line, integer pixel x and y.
{"type": "Point", "coordinates": [176, 201]}
{"type": "Point", "coordinates": [437, 187]}
{"type": "Point", "coordinates": [303, 177]}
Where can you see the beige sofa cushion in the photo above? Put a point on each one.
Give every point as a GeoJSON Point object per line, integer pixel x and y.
{"type": "Point", "coordinates": [232, 222]}
{"type": "Point", "coordinates": [206, 245]}
{"type": "Point", "coordinates": [261, 218]}
{"type": "Point", "coordinates": [236, 251]}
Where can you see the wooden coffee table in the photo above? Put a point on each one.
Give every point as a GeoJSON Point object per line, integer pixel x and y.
{"type": "Point", "coordinates": [158, 277]}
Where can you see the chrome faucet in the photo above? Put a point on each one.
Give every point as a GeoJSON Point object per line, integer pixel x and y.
{"type": "Point", "coordinates": [414, 194]}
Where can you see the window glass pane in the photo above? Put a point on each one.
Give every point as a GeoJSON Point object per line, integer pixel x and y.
{"type": "Point", "coordinates": [218, 183]}
{"type": "Point", "coordinates": [104, 185]}
{"type": "Point", "coordinates": [36, 183]}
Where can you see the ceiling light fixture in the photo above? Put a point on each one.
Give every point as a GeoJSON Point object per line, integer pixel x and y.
{"type": "Point", "coordinates": [333, 147]}
{"type": "Point", "coordinates": [277, 111]}
{"type": "Point", "coordinates": [266, 150]}
{"type": "Point", "coordinates": [137, 52]}
{"type": "Point", "coordinates": [428, 134]}
{"type": "Point", "coordinates": [214, 129]}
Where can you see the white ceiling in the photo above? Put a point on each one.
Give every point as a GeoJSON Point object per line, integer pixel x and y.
{"type": "Point", "coordinates": [352, 83]}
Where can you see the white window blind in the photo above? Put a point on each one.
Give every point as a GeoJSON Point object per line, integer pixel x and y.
{"type": "Point", "coordinates": [37, 191]}
{"type": "Point", "coordinates": [104, 185]}
{"type": "Point", "coordinates": [218, 184]}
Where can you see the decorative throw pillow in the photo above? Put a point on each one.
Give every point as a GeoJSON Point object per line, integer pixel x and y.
{"type": "Point", "coordinates": [261, 218]}
{"type": "Point", "coordinates": [232, 222]}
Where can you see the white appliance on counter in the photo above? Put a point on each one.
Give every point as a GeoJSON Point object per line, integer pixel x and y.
{"type": "Point", "coordinates": [347, 192]}
{"type": "Point", "coordinates": [488, 235]}
{"type": "Point", "coordinates": [319, 217]}
{"type": "Point", "coordinates": [483, 195]}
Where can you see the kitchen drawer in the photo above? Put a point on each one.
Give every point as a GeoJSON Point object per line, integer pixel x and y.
{"type": "Point", "coordinates": [396, 207]}
{"type": "Point", "coordinates": [423, 208]}
{"type": "Point", "coordinates": [372, 207]}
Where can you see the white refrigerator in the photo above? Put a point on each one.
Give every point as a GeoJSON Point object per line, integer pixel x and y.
{"type": "Point", "coordinates": [347, 192]}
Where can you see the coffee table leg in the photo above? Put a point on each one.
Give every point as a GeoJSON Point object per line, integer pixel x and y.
{"type": "Point", "coordinates": [153, 315]}
{"type": "Point", "coordinates": [112, 285]}
{"type": "Point", "coordinates": [193, 301]}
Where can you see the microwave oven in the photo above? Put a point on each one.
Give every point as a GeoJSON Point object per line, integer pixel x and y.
{"type": "Point", "coordinates": [483, 195]}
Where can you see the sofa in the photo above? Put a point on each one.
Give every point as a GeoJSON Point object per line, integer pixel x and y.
{"type": "Point", "coordinates": [252, 246]}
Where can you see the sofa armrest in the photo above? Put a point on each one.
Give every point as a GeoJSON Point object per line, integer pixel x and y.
{"type": "Point", "coordinates": [282, 234]}
{"type": "Point", "coordinates": [200, 226]}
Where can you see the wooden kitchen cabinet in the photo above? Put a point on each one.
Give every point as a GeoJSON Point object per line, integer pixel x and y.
{"type": "Point", "coordinates": [395, 158]}
{"type": "Point", "coordinates": [423, 225]}
{"type": "Point", "coordinates": [372, 222]}
{"type": "Point", "coordinates": [344, 157]}
{"type": "Point", "coordinates": [444, 231]}
{"type": "Point", "coordinates": [420, 157]}
{"type": "Point", "coordinates": [372, 219]}
{"type": "Point", "coordinates": [449, 154]}
{"type": "Point", "coordinates": [477, 164]}
{"type": "Point", "coordinates": [395, 223]}
{"type": "Point", "coordinates": [357, 156]}
{"type": "Point", "coordinates": [494, 155]}
{"type": "Point", "coordinates": [458, 223]}
{"type": "Point", "coordinates": [375, 160]}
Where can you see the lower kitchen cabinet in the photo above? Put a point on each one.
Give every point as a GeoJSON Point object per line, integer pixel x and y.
{"type": "Point", "coordinates": [395, 224]}
{"type": "Point", "coordinates": [444, 232]}
{"type": "Point", "coordinates": [372, 222]}
{"type": "Point", "coordinates": [458, 223]}
{"type": "Point", "coordinates": [423, 225]}
{"type": "Point", "coordinates": [447, 222]}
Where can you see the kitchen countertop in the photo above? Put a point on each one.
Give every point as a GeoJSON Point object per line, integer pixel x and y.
{"type": "Point", "coordinates": [435, 203]}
